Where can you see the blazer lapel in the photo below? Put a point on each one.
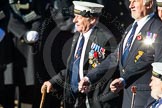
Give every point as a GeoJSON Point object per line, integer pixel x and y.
{"type": "Point", "coordinates": [137, 44]}
{"type": "Point", "coordinates": [75, 40]}
{"type": "Point", "coordinates": [122, 42]}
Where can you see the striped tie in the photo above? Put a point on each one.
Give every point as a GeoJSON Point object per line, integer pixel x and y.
{"type": "Point", "coordinates": [128, 43]}
{"type": "Point", "coordinates": [75, 67]}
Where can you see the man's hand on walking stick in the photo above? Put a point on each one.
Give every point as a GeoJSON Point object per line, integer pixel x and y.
{"type": "Point", "coordinates": [46, 88]}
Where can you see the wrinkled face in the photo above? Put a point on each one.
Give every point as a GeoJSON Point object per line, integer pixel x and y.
{"type": "Point", "coordinates": [160, 12]}
{"type": "Point", "coordinates": [156, 87]}
{"type": "Point", "coordinates": [138, 9]}
{"type": "Point", "coordinates": [82, 24]}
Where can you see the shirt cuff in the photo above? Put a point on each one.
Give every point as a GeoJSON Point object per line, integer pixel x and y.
{"type": "Point", "coordinates": [123, 81]}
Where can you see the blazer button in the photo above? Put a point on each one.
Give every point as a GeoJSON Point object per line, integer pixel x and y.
{"type": "Point", "coordinates": [123, 70]}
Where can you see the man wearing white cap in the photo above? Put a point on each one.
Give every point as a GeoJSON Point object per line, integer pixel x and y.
{"type": "Point", "coordinates": [89, 47]}
{"type": "Point", "coordinates": [159, 8]}
{"type": "Point", "coordinates": [156, 85]}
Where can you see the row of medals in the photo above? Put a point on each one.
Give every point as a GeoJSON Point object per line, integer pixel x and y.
{"type": "Point", "coordinates": [96, 55]}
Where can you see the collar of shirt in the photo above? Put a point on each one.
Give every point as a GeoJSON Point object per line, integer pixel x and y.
{"type": "Point", "coordinates": [158, 103]}
{"type": "Point", "coordinates": [86, 38]}
{"type": "Point", "coordinates": [140, 23]}
{"type": "Point", "coordinates": [87, 34]}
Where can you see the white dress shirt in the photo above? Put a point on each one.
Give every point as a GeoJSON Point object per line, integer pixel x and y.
{"type": "Point", "coordinates": [86, 37]}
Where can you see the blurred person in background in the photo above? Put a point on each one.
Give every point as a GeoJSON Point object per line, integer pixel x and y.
{"type": "Point", "coordinates": [7, 87]}
{"type": "Point", "coordinates": [24, 24]}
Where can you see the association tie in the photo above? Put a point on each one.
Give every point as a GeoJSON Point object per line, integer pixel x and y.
{"type": "Point", "coordinates": [128, 43]}
{"type": "Point", "coordinates": [157, 103]}
{"type": "Point", "coordinates": [75, 67]}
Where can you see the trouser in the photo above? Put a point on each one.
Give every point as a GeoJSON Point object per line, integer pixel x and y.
{"type": "Point", "coordinates": [7, 96]}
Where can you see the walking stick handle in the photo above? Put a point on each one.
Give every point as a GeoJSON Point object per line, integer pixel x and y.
{"type": "Point", "coordinates": [43, 97]}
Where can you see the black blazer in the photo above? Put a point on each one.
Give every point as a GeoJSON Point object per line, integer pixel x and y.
{"type": "Point", "coordinates": [99, 36]}
{"type": "Point", "coordinates": [136, 72]}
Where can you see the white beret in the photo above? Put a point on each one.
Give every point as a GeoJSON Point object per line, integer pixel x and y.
{"type": "Point", "coordinates": [158, 0]}
{"type": "Point", "coordinates": [157, 69]}
{"type": "Point", "coordinates": [81, 7]}
{"type": "Point", "coordinates": [159, 3]}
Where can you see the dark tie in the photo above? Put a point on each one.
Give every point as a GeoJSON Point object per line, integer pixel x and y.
{"type": "Point", "coordinates": [128, 43]}
{"type": "Point", "coordinates": [75, 67]}
{"type": "Point", "coordinates": [155, 104]}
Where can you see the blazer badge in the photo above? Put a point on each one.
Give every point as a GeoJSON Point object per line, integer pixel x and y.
{"type": "Point", "coordinates": [138, 56]}
{"type": "Point", "coordinates": [96, 55]}
{"type": "Point", "coordinates": [151, 36]}
{"type": "Point", "coordinates": [139, 36]}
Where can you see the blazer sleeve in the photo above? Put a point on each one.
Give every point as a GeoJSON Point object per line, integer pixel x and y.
{"type": "Point", "coordinates": [58, 80]}
{"type": "Point", "coordinates": [105, 69]}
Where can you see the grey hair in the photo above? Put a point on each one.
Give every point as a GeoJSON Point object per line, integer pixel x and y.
{"type": "Point", "coordinates": [146, 2]}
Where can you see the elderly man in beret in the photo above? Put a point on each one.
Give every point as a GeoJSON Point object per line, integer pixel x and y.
{"type": "Point", "coordinates": [90, 46]}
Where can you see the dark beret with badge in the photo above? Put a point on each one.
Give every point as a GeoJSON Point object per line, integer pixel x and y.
{"type": "Point", "coordinates": [24, 10]}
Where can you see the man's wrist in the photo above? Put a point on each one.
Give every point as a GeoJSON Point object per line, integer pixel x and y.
{"type": "Point", "coordinates": [87, 79]}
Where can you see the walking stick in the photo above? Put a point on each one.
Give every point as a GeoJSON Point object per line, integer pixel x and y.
{"type": "Point", "coordinates": [133, 89]}
{"type": "Point", "coordinates": [43, 97]}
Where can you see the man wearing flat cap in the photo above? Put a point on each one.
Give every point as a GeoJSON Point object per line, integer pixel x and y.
{"type": "Point", "coordinates": [159, 8]}
{"type": "Point", "coordinates": [156, 86]}
{"type": "Point", "coordinates": [91, 44]}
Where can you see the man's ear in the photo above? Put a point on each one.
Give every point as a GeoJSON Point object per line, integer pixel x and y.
{"type": "Point", "coordinates": [93, 20]}
{"type": "Point", "coordinates": [148, 3]}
